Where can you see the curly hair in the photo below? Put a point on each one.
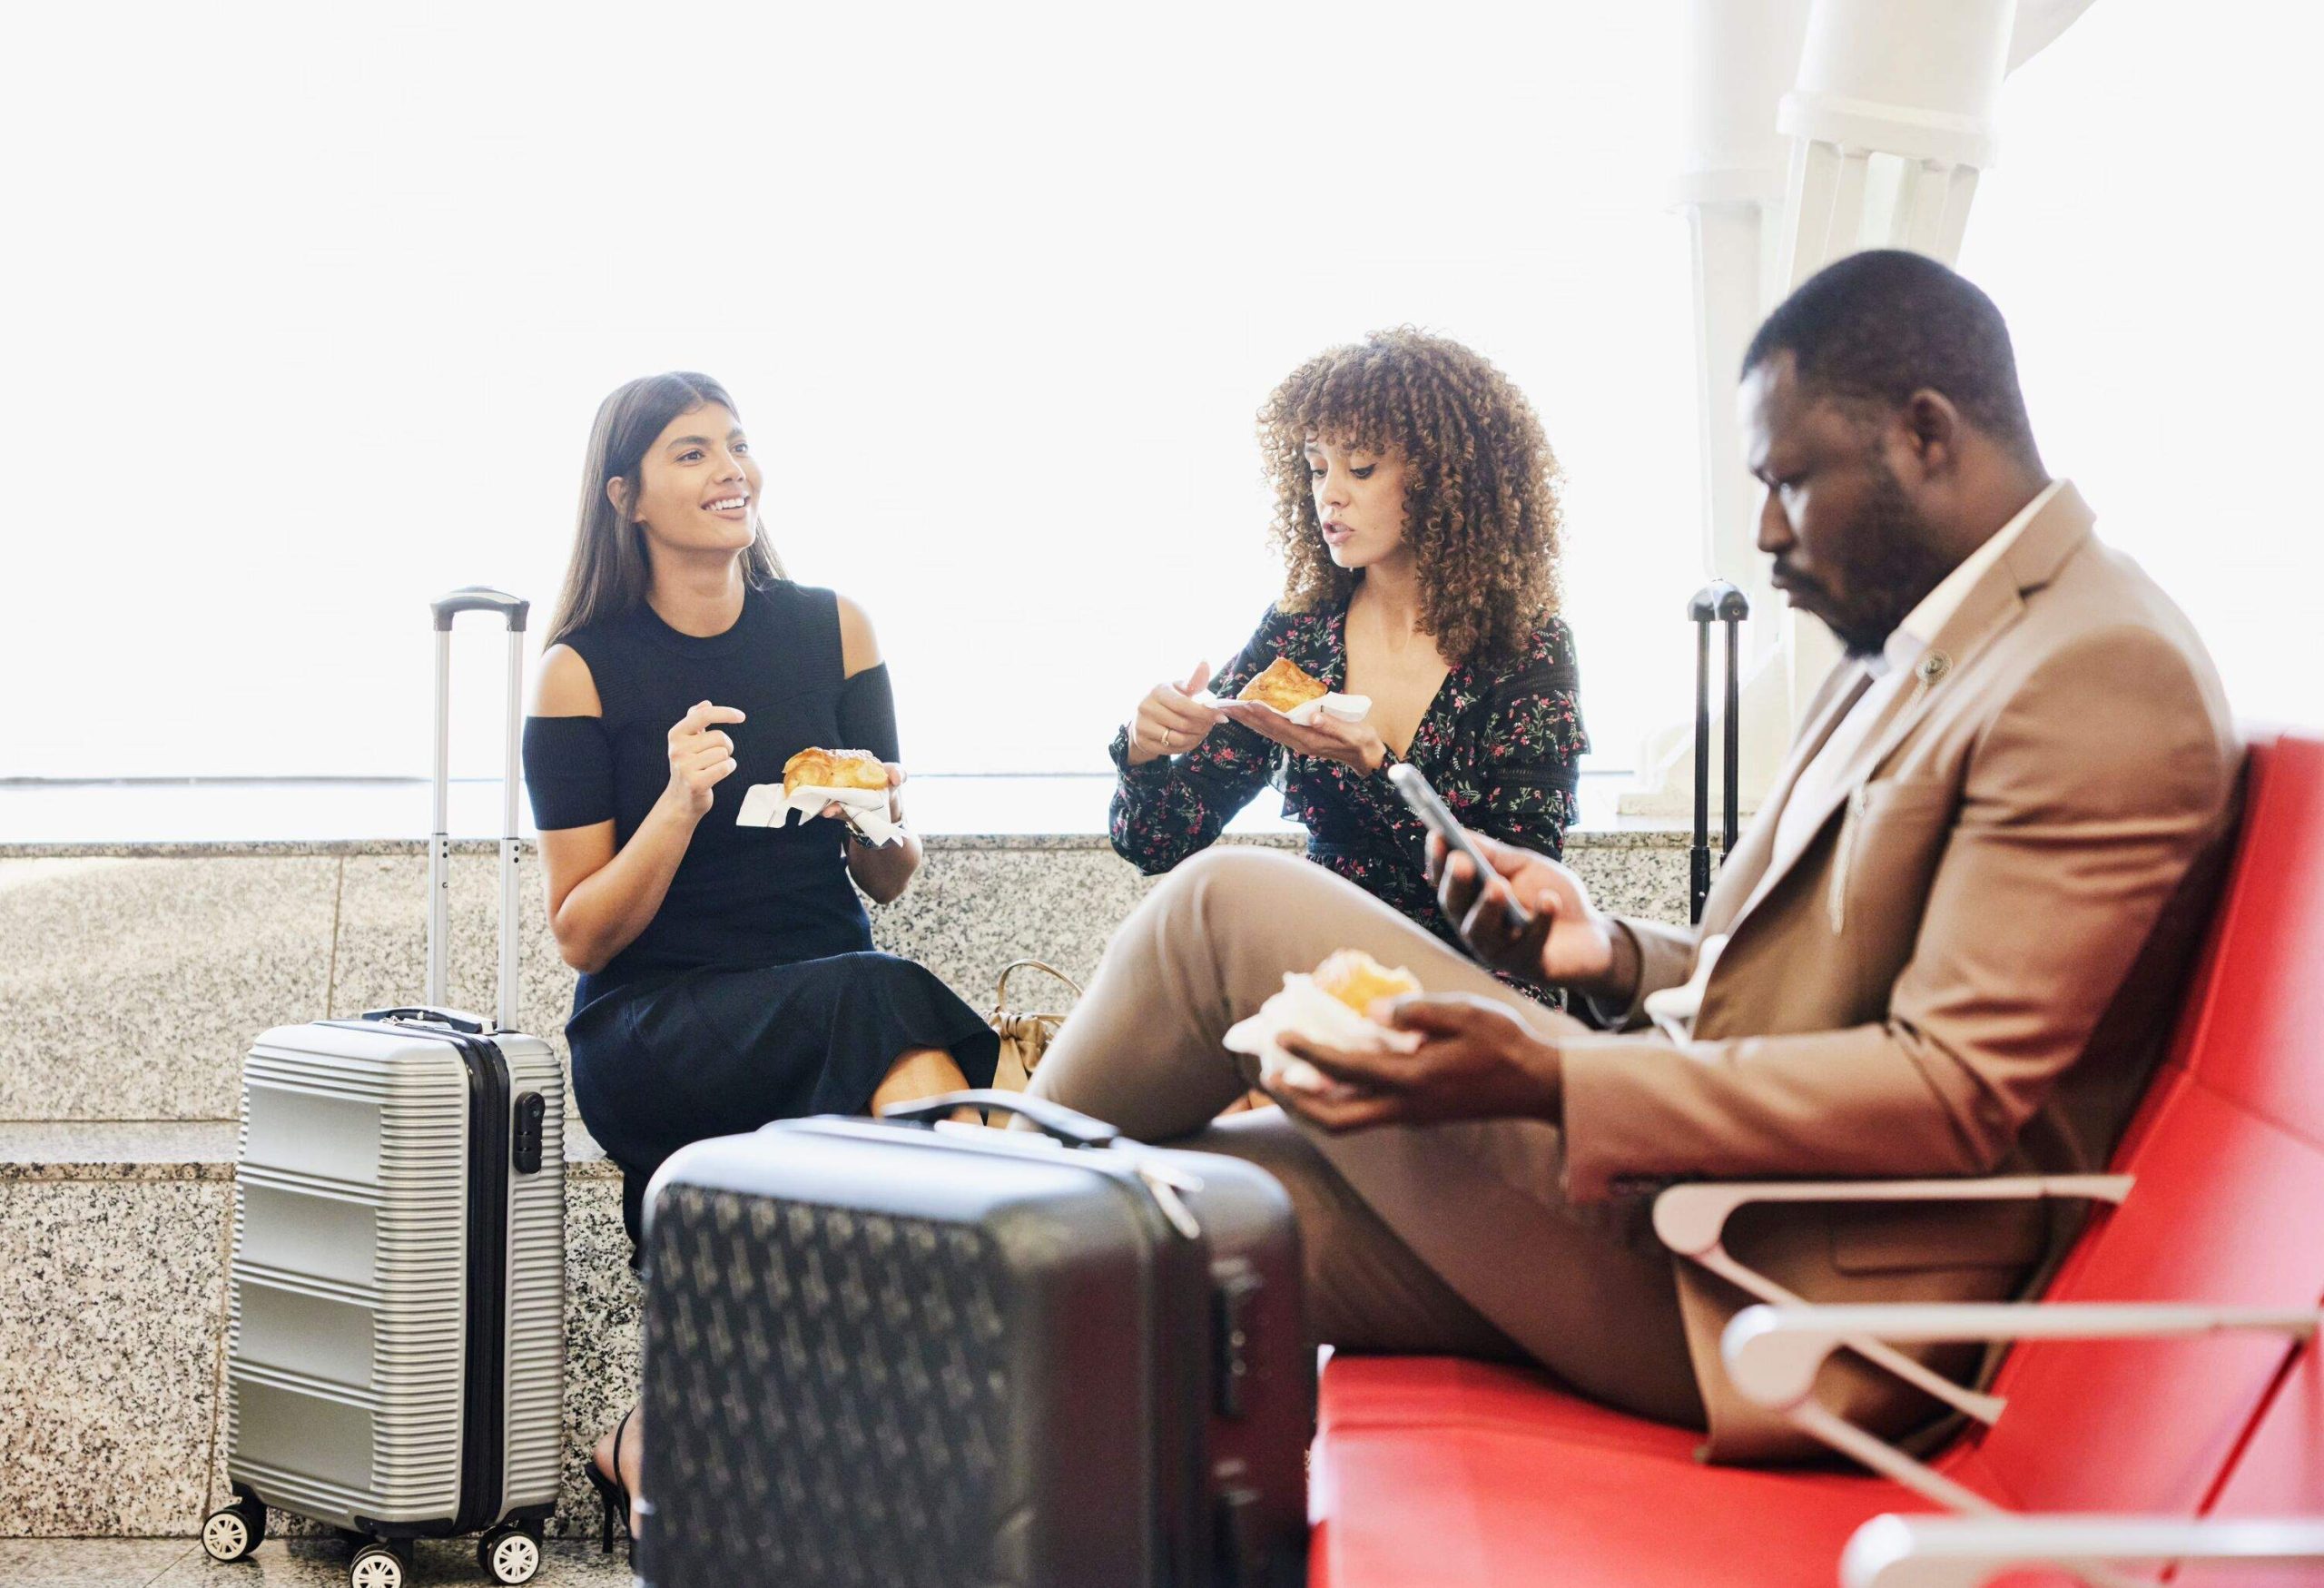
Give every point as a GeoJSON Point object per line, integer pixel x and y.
{"type": "Point", "coordinates": [1480, 485]}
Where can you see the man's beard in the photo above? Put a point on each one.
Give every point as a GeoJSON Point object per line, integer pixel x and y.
{"type": "Point", "coordinates": [1887, 565]}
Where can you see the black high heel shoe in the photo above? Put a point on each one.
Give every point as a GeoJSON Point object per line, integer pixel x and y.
{"type": "Point", "coordinates": [611, 1494]}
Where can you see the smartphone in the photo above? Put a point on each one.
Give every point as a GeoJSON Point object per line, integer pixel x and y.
{"type": "Point", "coordinates": [1430, 809]}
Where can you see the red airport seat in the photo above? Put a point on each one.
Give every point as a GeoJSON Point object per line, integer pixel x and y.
{"type": "Point", "coordinates": [1434, 1470]}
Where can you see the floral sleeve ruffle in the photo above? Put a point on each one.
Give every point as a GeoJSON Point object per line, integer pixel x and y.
{"type": "Point", "coordinates": [1174, 806]}
{"type": "Point", "coordinates": [1526, 764]}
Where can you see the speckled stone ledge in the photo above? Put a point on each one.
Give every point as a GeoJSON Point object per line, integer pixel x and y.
{"type": "Point", "coordinates": [1646, 834]}
{"type": "Point", "coordinates": [171, 1149]}
{"type": "Point", "coordinates": [114, 1149]}
{"type": "Point", "coordinates": [173, 961]}
{"type": "Point", "coordinates": [170, 963]}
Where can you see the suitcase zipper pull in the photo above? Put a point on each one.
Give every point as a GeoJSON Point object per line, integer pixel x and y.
{"type": "Point", "coordinates": [1164, 1184]}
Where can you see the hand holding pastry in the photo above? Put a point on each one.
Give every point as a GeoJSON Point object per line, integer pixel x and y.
{"type": "Point", "coordinates": [1474, 1060]}
{"type": "Point", "coordinates": [1357, 744]}
{"type": "Point", "coordinates": [1263, 705]}
{"type": "Point", "coordinates": [1336, 1004]}
{"type": "Point", "coordinates": [1168, 722]}
{"type": "Point", "coordinates": [895, 807]}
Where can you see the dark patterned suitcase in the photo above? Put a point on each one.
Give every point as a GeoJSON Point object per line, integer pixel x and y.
{"type": "Point", "coordinates": [883, 1353]}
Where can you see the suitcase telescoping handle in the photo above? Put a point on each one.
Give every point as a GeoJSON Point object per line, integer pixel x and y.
{"type": "Point", "coordinates": [1060, 1124]}
{"type": "Point", "coordinates": [513, 610]}
{"type": "Point", "coordinates": [1718, 602]}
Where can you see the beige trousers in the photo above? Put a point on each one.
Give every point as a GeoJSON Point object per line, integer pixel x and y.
{"type": "Point", "coordinates": [1450, 1238]}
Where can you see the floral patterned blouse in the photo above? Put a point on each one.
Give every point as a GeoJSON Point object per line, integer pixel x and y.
{"type": "Point", "coordinates": [1502, 746]}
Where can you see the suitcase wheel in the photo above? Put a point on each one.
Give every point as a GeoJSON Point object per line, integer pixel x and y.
{"type": "Point", "coordinates": [232, 1533]}
{"type": "Point", "coordinates": [379, 1565]}
{"type": "Point", "coordinates": [509, 1555]}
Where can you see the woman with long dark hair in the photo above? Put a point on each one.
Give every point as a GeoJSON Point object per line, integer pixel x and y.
{"type": "Point", "coordinates": [727, 972]}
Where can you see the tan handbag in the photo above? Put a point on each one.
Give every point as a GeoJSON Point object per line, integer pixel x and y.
{"type": "Point", "coordinates": [1024, 1036]}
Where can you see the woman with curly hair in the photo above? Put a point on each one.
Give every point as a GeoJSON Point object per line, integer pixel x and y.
{"type": "Point", "coordinates": [1415, 506]}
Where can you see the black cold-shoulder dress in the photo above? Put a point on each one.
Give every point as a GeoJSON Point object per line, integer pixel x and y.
{"type": "Point", "coordinates": [755, 993]}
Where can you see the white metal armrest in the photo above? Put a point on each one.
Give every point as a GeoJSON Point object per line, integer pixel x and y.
{"type": "Point", "coordinates": [1773, 1354]}
{"type": "Point", "coordinates": [1691, 1220]}
{"type": "Point", "coordinates": [1965, 1552]}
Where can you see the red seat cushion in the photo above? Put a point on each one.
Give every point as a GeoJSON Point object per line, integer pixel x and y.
{"type": "Point", "coordinates": [1430, 1470]}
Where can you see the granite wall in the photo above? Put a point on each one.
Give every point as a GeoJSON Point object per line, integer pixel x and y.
{"type": "Point", "coordinates": [131, 979]}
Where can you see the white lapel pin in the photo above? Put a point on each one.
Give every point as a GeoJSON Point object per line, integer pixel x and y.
{"type": "Point", "coordinates": [1932, 667]}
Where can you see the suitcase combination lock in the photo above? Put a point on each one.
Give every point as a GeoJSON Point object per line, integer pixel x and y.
{"type": "Point", "coordinates": [526, 1133]}
{"type": "Point", "coordinates": [1234, 1301]}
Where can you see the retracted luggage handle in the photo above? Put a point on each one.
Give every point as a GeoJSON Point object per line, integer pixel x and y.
{"type": "Point", "coordinates": [1716, 602]}
{"type": "Point", "coordinates": [1162, 1182]}
{"type": "Point", "coordinates": [481, 599]}
{"type": "Point", "coordinates": [514, 610]}
{"type": "Point", "coordinates": [455, 1020]}
{"type": "Point", "coordinates": [1060, 1124]}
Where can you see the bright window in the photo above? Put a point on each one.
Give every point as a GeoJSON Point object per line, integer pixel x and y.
{"type": "Point", "coordinates": [314, 305]}
{"type": "Point", "coordinates": [2161, 283]}
{"type": "Point", "coordinates": [311, 306]}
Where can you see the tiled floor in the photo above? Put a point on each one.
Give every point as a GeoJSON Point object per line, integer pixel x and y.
{"type": "Point", "coordinates": [178, 1563]}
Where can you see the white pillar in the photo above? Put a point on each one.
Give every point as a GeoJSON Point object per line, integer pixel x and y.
{"type": "Point", "coordinates": [1891, 114]}
{"type": "Point", "coordinates": [1741, 56]}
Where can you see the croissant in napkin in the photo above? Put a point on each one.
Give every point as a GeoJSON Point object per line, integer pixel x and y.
{"type": "Point", "coordinates": [1359, 981]}
{"type": "Point", "coordinates": [814, 767]}
{"type": "Point", "coordinates": [1328, 1007]}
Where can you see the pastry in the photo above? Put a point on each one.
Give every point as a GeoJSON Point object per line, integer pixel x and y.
{"type": "Point", "coordinates": [1285, 686]}
{"type": "Point", "coordinates": [818, 768]}
{"type": "Point", "coordinates": [1359, 981]}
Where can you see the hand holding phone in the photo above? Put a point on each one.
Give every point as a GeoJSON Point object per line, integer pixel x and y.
{"type": "Point", "coordinates": [1430, 810]}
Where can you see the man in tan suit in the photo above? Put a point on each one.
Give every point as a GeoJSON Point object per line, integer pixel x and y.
{"type": "Point", "coordinates": [1949, 944]}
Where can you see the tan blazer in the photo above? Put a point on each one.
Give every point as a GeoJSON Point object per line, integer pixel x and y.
{"type": "Point", "coordinates": [1969, 968]}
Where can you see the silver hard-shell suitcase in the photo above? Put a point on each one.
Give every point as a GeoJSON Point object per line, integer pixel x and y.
{"type": "Point", "coordinates": [395, 1322]}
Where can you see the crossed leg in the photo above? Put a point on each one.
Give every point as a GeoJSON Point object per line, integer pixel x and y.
{"type": "Point", "coordinates": [1448, 1237]}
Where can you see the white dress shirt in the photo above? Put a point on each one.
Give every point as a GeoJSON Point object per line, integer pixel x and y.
{"type": "Point", "coordinates": [1891, 670]}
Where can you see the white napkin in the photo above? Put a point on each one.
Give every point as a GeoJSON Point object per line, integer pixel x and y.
{"type": "Point", "coordinates": [867, 809]}
{"type": "Point", "coordinates": [1673, 1009]}
{"type": "Point", "coordinates": [1305, 1010]}
{"type": "Point", "coordinates": [1347, 708]}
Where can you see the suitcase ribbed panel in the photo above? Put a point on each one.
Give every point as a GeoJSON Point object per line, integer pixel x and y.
{"type": "Point", "coordinates": [859, 1358]}
{"type": "Point", "coordinates": [536, 1373]}
{"type": "Point", "coordinates": [347, 1313]}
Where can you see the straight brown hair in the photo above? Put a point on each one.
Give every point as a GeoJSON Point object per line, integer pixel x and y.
{"type": "Point", "coordinates": [609, 575]}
